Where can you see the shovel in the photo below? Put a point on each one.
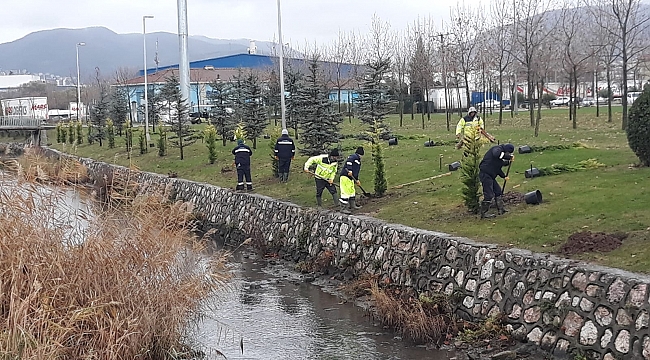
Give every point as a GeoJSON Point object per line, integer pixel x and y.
{"type": "Point", "coordinates": [503, 188]}
{"type": "Point", "coordinates": [319, 177]}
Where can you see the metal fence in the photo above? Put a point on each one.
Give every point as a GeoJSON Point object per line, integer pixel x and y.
{"type": "Point", "coordinates": [17, 122]}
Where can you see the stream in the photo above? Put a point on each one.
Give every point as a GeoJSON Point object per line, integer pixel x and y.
{"type": "Point", "coordinates": [279, 317]}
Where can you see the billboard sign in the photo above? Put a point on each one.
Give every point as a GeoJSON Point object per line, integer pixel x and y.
{"type": "Point", "coordinates": [30, 107]}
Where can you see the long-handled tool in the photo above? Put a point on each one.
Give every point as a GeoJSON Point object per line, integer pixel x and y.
{"type": "Point", "coordinates": [503, 188]}
{"type": "Point", "coordinates": [364, 192]}
{"type": "Point", "coordinates": [320, 177]}
{"type": "Point", "coordinates": [421, 180]}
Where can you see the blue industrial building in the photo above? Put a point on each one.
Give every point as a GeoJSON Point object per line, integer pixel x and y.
{"type": "Point", "coordinates": [203, 72]}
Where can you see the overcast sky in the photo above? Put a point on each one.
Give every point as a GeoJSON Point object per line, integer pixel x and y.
{"type": "Point", "coordinates": [302, 20]}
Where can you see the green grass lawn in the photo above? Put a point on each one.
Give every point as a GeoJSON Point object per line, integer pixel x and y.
{"type": "Point", "coordinates": [610, 199]}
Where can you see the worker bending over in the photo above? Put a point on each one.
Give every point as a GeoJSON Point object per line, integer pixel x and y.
{"type": "Point", "coordinates": [350, 177]}
{"type": "Point", "coordinates": [324, 174]}
{"type": "Point", "coordinates": [489, 168]}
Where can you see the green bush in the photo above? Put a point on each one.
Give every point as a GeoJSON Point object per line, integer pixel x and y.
{"type": "Point", "coordinates": [60, 137]}
{"type": "Point", "coordinates": [274, 133]}
{"type": "Point", "coordinates": [162, 141]}
{"type": "Point", "coordinates": [110, 133]}
{"type": "Point", "coordinates": [128, 138]}
{"type": "Point", "coordinates": [79, 132]}
{"type": "Point", "coordinates": [210, 138]}
{"type": "Point", "coordinates": [142, 141]}
{"type": "Point", "coordinates": [90, 135]}
{"type": "Point", "coordinates": [638, 127]}
{"type": "Point", "coordinates": [380, 171]}
{"type": "Point", "coordinates": [71, 131]}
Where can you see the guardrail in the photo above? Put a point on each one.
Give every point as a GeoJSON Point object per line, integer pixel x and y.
{"type": "Point", "coordinates": [16, 122]}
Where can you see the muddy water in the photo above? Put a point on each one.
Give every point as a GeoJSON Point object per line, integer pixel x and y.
{"type": "Point", "coordinates": [279, 317]}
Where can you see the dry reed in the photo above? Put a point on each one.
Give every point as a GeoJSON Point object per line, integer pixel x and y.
{"type": "Point", "coordinates": [422, 320]}
{"type": "Point", "coordinates": [128, 290]}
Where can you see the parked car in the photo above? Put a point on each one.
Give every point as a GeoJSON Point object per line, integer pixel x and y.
{"type": "Point", "coordinates": [195, 117]}
{"type": "Point", "coordinates": [489, 103]}
{"type": "Point", "coordinates": [586, 102]}
{"type": "Point", "coordinates": [561, 101]}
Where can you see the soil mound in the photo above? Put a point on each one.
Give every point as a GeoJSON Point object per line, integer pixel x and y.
{"type": "Point", "coordinates": [513, 198]}
{"type": "Point", "coordinates": [587, 241]}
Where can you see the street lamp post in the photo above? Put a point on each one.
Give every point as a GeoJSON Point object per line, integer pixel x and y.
{"type": "Point", "coordinates": [146, 88]}
{"type": "Point", "coordinates": [78, 81]}
{"type": "Point", "coordinates": [282, 102]}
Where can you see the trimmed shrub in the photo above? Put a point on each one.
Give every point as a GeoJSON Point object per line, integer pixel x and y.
{"type": "Point", "coordinates": [638, 127]}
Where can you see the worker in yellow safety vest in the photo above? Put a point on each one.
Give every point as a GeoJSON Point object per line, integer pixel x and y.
{"type": "Point", "coordinates": [470, 126]}
{"type": "Point", "coordinates": [324, 174]}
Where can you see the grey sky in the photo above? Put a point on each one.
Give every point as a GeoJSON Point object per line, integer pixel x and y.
{"type": "Point", "coordinates": [302, 20]}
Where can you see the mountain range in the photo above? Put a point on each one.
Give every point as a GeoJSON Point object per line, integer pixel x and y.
{"type": "Point", "coordinates": [53, 51]}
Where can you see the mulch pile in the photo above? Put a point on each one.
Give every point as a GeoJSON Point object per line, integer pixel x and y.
{"type": "Point", "coordinates": [587, 241]}
{"type": "Point", "coordinates": [513, 198]}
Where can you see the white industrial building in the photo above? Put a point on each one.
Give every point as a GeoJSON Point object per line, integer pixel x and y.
{"type": "Point", "coordinates": [15, 81]}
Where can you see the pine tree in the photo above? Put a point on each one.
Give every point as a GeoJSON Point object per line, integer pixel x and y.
{"type": "Point", "coordinates": [374, 101]}
{"type": "Point", "coordinates": [469, 173]}
{"type": "Point", "coordinates": [317, 120]}
{"type": "Point", "coordinates": [210, 137]}
{"type": "Point", "coordinates": [162, 141]}
{"type": "Point", "coordinates": [99, 114]}
{"type": "Point", "coordinates": [221, 116]}
{"type": "Point", "coordinates": [253, 113]}
{"type": "Point", "coordinates": [272, 95]}
{"type": "Point", "coordinates": [184, 135]}
{"type": "Point", "coordinates": [119, 108]}
{"type": "Point", "coordinates": [292, 84]}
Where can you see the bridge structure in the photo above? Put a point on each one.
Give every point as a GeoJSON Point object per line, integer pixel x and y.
{"type": "Point", "coordinates": [36, 127]}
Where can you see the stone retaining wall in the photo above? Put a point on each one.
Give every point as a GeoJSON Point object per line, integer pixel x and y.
{"type": "Point", "coordinates": [561, 305]}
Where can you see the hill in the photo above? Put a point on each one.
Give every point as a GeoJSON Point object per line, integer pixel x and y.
{"type": "Point", "coordinates": [53, 51]}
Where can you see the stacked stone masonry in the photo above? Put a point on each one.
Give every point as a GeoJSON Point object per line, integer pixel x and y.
{"type": "Point", "coordinates": [562, 305]}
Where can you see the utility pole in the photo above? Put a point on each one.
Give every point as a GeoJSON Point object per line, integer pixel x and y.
{"type": "Point", "coordinates": [184, 64]}
{"type": "Point", "coordinates": [282, 102]}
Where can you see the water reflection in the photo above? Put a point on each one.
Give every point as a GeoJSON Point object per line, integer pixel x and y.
{"type": "Point", "coordinates": [282, 320]}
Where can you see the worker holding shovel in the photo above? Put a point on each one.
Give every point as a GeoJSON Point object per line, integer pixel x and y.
{"type": "Point", "coordinates": [489, 168]}
{"type": "Point", "coordinates": [326, 167]}
{"type": "Point", "coordinates": [349, 178]}
{"type": "Point", "coordinates": [471, 126]}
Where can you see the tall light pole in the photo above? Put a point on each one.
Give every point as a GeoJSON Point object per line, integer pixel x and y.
{"type": "Point", "coordinates": [282, 104]}
{"type": "Point", "coordinates": [146, 88]}
{"type": "Point", "coordinates": [78, 81]}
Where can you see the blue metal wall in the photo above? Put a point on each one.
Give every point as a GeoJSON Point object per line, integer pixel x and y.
{"type": "Point", "coordinates": [250, 61]}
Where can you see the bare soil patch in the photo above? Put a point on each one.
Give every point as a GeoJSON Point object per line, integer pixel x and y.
{"type": "Point", "coordinates": [587, 241]}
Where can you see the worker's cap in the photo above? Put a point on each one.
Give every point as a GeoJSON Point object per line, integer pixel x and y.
{"type": "Point", "coordinates": [285, 132]}
{"type": "Point", "coordinates": [360, 150]}
{"type": "Point", "coordinates": [334, 152]}
{"type": "Point", "coordinates": [240, 141]}
{"type": "Point", "coordinates": [471, 109]}
{"type": "Point", "coordinates": [509, 148]}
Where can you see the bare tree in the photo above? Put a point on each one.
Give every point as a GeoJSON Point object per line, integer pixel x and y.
{"type": "Point", "coordinates": [532, 27]}
{"type": "Point", "coordinates": [576, 51]}
{"type": "Point", "coordinates": [338, 56]}
{"type": "Point", "coordinates": [501, 43]}
{"type": "Point", "coordinates": [630, 26]}
{"type": "Point", "coordinates": [466, 25]}
{"type": "Point", "coordinates": [400, 68]}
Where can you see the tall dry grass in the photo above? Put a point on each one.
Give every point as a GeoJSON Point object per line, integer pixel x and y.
{"type": "Point", "coordinates": [129, 290]}
{"type": "Point", "coordinates": [422, 320]}
{"type": "Point", "coordinates": [34, 166]}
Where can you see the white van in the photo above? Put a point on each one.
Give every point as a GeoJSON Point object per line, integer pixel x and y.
{"type": "Point", "coordinates": [632, 96]}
